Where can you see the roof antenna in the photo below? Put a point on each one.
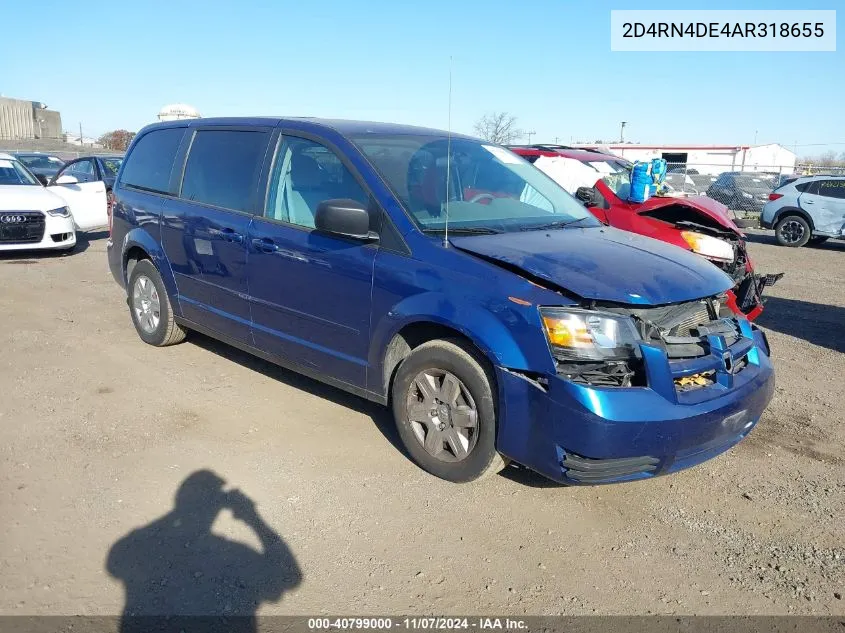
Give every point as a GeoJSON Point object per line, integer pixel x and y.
{"type": "Point", "coordinates": [448, 158]}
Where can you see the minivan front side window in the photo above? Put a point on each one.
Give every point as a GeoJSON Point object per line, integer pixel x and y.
{"type": "Point", "coordinates": [305, 174]}
{"type": "Point", "coordinates": [222, 168]}
{"type": "Point", "coordinates": [489, 187]}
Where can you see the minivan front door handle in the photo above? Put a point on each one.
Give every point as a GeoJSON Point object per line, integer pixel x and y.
{"type": "Point", "coordinates": [265, 245]}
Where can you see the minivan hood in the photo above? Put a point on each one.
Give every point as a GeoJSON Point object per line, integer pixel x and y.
{"type": "Point", "coordinates": [28, 198]}
{"type": "Point", "coordinates": [604, 264]}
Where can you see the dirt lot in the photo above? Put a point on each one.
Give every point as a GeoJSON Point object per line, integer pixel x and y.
{"type": "Point", "coordinates": [98, 431]}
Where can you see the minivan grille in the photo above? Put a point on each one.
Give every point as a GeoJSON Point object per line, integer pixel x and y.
{"type": "Point", "coordinates": [21, 227]}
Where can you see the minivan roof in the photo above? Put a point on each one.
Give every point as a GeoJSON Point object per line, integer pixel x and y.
{"type": "Point", "coordinates": [342, 126]}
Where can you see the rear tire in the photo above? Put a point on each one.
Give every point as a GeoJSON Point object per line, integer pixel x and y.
{"type": "Point", "coordinates": [150, 307]}
{"type": "Point", "coordinates": [445, 410]}
{"type": "Point", "coordinates": [793, 231]}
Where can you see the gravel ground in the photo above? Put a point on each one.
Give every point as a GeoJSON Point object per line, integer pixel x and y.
{"type": "Point", "coordinates": [98, 432]}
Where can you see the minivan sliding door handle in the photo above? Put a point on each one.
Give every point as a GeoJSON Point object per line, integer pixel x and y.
{"type": "Point", "coordinates": [227, 234]}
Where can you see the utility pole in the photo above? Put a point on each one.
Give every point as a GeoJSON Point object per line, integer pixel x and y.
{"type": "Point", "coordinates": [622, 131]}
{"type": "Point", "coordinates": [530, 134]}
{"type": "Point", "coordinates": [80, 134]}
{"type": "Point", "coordinates": [755, 137]}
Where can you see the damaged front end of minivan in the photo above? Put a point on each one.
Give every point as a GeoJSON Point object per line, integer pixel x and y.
{"type": "Point", "coordinates": [638, 391]}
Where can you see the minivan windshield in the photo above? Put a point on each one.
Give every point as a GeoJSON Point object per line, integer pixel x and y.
{"type": "Point", "coordinates": [13, 173]}
{"type": "Point", "coordinates": [488, 188]}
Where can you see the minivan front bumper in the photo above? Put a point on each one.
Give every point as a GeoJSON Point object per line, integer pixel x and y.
{"type": "Point", "coordinates": [580, 434]}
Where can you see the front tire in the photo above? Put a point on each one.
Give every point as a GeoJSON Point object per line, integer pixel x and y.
{"type": "Point", "coordinates": [793, 231]}
{"type": "Point", "coordinates": [445, 410]}
{"type": "Point", "coordinates": [150, 307]}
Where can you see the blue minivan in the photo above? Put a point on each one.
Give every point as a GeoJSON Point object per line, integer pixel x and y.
{"type": "Point", "coordinates": [445, 277]}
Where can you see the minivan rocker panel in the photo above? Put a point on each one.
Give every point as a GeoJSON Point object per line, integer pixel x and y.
{"type": "Point", "coordinates": [528, 333]}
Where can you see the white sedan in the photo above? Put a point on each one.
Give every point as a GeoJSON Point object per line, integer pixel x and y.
{"type": "Point", "coordinates": [31, 217]}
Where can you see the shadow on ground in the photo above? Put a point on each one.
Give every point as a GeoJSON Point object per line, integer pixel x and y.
{"type": "Point", "coordinates": [176, 567]}
{"type": "Point", "coordinates": [380, 415]}
{"type": "Point", "coordinates": [816, 323]}
{"type": "Point", "coordinates": [768, 237]}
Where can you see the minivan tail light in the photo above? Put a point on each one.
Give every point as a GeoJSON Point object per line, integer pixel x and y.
{"type": "Point", "coordinates": [110, 208]}
{"type": "Point", "coordinates": [775, 196]}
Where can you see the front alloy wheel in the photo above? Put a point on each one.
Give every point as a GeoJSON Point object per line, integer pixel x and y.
{"type": "Point", "coordinates": [443, 415]}
{"type": "Point", "coordinates": [443, 402]}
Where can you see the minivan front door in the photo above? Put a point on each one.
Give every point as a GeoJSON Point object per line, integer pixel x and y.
{"type": "Point", "coordinates": [310, 292]}
{"type": "Point", "coordinates": [205, 229]}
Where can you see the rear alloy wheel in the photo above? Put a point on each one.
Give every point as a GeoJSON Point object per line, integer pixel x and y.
{"type": "Point", "coordinates": [443, 405]}
{"type": "Point", "coordinates": [793, 231]}
{"type": "Point", "coordinates": [150, 307]}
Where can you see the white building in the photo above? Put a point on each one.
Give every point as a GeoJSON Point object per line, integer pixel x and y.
{"type": "Point", "coordinates": [176, 111]}
{"type": "Point", "coordinates": [711, 159]}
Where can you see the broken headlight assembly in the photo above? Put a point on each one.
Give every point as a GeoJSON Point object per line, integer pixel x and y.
{"type": "Point", "coordinates": [709, 247]}
{"type": "Point", "coordinates": [591, 347]}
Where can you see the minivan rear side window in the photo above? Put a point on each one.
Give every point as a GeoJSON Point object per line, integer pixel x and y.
{"type": "Point", "coordinates": [150, 162]}
{"type": "Point", "coordinates": [223, 168]}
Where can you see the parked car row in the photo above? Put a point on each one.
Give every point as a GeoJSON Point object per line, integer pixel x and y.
{"type": "Point", "coordinates": [451, 280]}
{"type": "Point", "coordinates": [44, 201]}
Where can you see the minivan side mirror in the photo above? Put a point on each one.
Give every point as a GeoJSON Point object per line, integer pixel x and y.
{"type": "Point", "coordinates": [342, 216]}
{"type": "Point", "coordinates": [585, 195]}
{"type": "Point", "coordinates": [66, 179]}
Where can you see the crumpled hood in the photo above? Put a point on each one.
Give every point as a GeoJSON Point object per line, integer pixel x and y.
{"type": "Point", "coordinates": [707, 206]}
{"type": "Point", "coordinates": [28, 198]}
{"type": "Point", "coordinates": [604, 264]}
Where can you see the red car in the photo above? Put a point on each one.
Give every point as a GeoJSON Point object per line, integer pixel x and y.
{"type": "Point", "coordinates": [695, 223]}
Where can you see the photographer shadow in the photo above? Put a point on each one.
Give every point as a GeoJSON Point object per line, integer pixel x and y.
{"type": "Point", "coordinates": [178, 575]}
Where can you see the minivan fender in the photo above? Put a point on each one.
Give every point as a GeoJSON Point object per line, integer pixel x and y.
{"type": "Point", "coordinates": [482, 327]}
{"type": "Point", "coordinates": [140, 238]}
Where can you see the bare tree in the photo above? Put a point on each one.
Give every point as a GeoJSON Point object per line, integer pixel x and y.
{"type": "Point", "coordinates": [826, 159]}
{"type": "Point", "coordinates": [498, 127]}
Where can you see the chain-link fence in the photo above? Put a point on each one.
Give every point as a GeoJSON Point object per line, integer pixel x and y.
{"type": "Point", "coordinates": [744, 190]}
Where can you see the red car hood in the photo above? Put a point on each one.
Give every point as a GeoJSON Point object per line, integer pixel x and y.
{"type": "Point", "coordinates": [702, 204]}
{"type": "Point", "coordinates": [709, 207]}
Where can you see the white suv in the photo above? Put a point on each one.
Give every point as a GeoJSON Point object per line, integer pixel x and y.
{"type": "Point", "coordinates": [30, 216]}
{"type": "Point", "coordinates": [806, 210]}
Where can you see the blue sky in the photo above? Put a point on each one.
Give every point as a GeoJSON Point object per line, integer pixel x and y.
{"type": "Point", "coordinates": [548, 62]}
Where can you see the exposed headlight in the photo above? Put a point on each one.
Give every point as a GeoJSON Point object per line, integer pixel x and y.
{"type": "Point", "coordinates": [710, 247]}
{"type": "Point", "coordinates": [61, 212]}
{"type": "Point", "coordinates": [575, 334]}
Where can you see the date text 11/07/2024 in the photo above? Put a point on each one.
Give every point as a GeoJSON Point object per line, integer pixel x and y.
{"type": "Point", "coordinates": [417, 623]}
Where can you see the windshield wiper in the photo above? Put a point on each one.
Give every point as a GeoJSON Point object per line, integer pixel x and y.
{"type": "Point", "coordinates": [465, 230]}
{"type": "Point", "coordinates": [555, 225]}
